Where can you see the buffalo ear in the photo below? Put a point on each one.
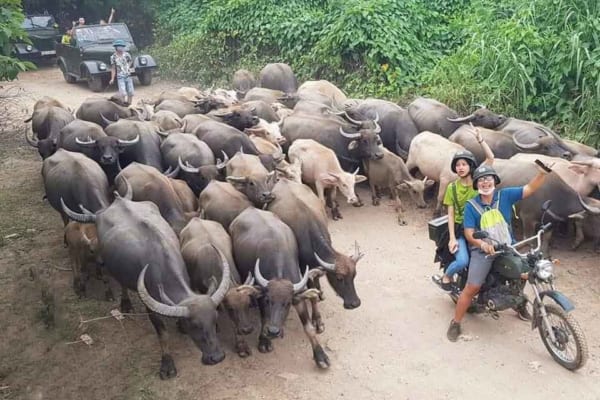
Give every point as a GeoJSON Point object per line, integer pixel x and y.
{"type": "Point", "coordinates": [353, 145]}
{"type": "Point", "coordinates": [359, 178]}
{"type": "Point", "coordinates": [403, 186]}
{"type": "Point", "coordinates": [330, 179]}
{"type": "Point", "coordinates": [578, 169]}
{"type": "Point", "coordinates": [307, 295]}
{"type": "Point", "coordinates": [429, 183]}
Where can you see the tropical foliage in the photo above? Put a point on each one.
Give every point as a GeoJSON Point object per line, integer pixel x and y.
{"type": "Point", "coordinates": [11, 16]}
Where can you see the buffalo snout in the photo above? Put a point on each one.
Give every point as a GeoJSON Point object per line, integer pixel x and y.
{"type": "Point", "coordinates": [273, 331]}
{"type": "Point", "coordinates": [352, 304]}
{"type": "Point", "coordinates": [213, 358]}
{"type": "Point", "coordinates": [378, 156]}
{"type": "Point", "coordinates": [245, 330]}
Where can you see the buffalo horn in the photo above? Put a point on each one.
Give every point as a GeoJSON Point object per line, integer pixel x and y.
{"type": "Point", "coordinates": [187, 168]}
{"type": "Point", "coordinates": [238, 179]}
{"type": "Point", "coordinates": [349, 135]}
{"type": "Point", "coordinates": [108, 121]}
{"type": "Point", "coordinates": [376, 120]}
{"type": "Point", "coordinates": [356, 171]}
{"type": "Point", "coordinates": [88, 142]}
{"type": "Point", "coordinates": [468, 118]}
{"type": "Point", "coordinates": [128, 190]}
{"type": "Point", "coordinates": [173, 173]}
{"type": "Point", "coordinates": [249, 280]}
{"type": "Point", "coordinates": [129, 142]}
{"type": "Point", "coordinates": [259, 278]}
{"type": "Point", "coordinates": [377, 127]}
{"type": "Point", "coordinates": [357, 254]}
{"type": "Point", "coordinates": [162, 133]}
{"type": "Point", "coordinates": [33, 143]}
{"type": "Point", "coordinates": [85, 210]}
{"type": "Point", "coordinates": [222, 164]}
{"type": "Point", "coordinates": [218, 296]}
{"type": "Point", "coordinates": [156, 306]}
{"type": "Point", "coordinates": [300, 285]}
{"type": "Point", "coordinates": [354, 121]}
{"type": "Point", "coordinates": [83, 218]}
{"type": "Point", "coordinates": [587, 207]}
{"type": "Point", "coordinates": [327, 266]}
{"type": "Point", "coordinates": [524, 145]}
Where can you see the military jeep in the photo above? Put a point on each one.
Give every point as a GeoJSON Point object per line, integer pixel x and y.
{"type": "Point", "coordinates": [87, 57]}
{"type": "Point", "coordinates": [43, 32]}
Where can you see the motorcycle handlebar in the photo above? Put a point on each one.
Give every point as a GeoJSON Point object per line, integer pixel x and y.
{"type": "Point", "coordinates": [546, 227]}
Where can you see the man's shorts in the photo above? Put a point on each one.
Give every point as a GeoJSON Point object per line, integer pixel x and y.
{"type": "Point", "coordinates": [479, 267]}
{"type": "Point", "coordinates": [125, 85]}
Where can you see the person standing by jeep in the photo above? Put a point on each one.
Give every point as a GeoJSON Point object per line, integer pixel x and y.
{"type": "Point", "coordinates": [121, 64]}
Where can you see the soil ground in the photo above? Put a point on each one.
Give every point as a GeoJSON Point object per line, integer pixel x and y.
{"type": "Point", "coordinates": [393, 347]}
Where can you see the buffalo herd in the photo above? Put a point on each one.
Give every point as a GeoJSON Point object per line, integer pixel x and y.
{"type": "Point", "coordinates": [218, 201]}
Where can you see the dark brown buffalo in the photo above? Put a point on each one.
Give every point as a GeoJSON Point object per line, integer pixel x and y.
{"type": "Point", "coordinates": [221, 202]}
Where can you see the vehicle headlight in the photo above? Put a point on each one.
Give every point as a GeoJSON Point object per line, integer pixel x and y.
{"type": "Point", "coordinates": [102, 67]}
{"type": "Point", "coordinates": [544, 269]}
{"type": "Point", "coordinates": [29, 47]}
{"type": "Point", "coordinates": [143, 61]}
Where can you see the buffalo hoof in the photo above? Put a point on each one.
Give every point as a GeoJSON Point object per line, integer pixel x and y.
{"type": "Point", "coordinates": [336, 214]}
{"type": "Point", "coordinates": [242, 349]}
{"type": "Point", "coordinates": [264, 344]}
{"type": "Point", "coordinates": [576, 244]}
{"type": "Point", "coordinates": [320, 357]}
{"type": "Point", "coordinates": [375, 201]}
{"type": "Point", "coordinates": [402, 222]}
{"type": "Point", "coordinates": [126, 306]}
{"type": "Point", "coordinates": [358, 204]}
{"type": "Point", "coordinates": [319, 325]}
{"type": "Point", "coordinates": [167, 367]}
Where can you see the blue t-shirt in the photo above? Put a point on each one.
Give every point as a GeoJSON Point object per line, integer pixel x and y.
{"type": "Point", "coordinates": [508, 197]}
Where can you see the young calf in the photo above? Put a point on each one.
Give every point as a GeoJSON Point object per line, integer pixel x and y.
{"type": "Point", "coordinates": [82, 241]}
{"type": "Point", "coordinates": [321, 169]}
{"type": "Point", "coordinates": [391, 172]}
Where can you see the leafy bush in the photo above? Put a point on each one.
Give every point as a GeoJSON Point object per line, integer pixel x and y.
{"type": "Point", "coordinates": [11, 17]}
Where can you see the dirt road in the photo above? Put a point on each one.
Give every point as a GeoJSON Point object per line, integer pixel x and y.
{"type": "Point", "coordinates": [393, 347]}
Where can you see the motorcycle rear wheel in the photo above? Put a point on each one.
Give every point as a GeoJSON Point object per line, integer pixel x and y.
{"type": "Point", "coordinates": [568, 333]}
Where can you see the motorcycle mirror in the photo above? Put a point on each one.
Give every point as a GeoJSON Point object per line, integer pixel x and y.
{"type": "Point", "coordinates": [546, 205]}
{"type": "Point", "coordinates": [480, 235]}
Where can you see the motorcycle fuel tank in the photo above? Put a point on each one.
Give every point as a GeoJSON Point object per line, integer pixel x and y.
{"type": "Point", "coordinates": [509, 266]}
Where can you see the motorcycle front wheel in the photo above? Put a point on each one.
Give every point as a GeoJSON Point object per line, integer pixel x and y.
{"type": "Point", "coordinates": [570, 348]}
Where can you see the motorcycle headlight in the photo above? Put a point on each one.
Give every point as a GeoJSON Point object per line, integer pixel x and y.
{"type": "Point", "coordinates": [102, 67]}
{"type": "Point", "coordinates": [143, 61]}
{"type": "Point", "coordinates": [29, 47]}
{"type": "Point", "coordinates": [544, 269]}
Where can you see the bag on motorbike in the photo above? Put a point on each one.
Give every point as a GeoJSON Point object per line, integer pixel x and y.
{"type": "Point", "coordinates": [492, 221]}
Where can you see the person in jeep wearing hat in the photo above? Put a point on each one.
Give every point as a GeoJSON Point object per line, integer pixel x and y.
{"type": "Point", "coordinates": [456, 196]}
{"type": "Point", "coordinates": [485, 180]}
{"type": "Point", "coordinates": [121, 64]}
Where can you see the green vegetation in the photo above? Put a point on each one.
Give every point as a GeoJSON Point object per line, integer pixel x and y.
{"type": "Point", "coordinates": [534, 59]}
{"type": "Point", "coordinates": [11, 16]}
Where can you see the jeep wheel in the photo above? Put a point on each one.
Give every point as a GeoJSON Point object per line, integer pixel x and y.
{"type": "Point", "coordinates": [145, 77]}
{"type": "Point", "coordinates": [68, 78]}
{"type": "Point", "coordinates": [95, 83]}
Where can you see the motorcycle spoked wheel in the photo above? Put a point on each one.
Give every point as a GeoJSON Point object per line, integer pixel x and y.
{"type": "Point", "coordinates": [570, 349]}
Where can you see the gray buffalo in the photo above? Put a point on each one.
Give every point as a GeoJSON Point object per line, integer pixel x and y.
{"type": "Point", "coordinates": [48, 118]}
{"type": "Point", "coordinates": [278, 76]}
{"type": "Point", "coordinates": [151, 264]}
{"type": "Point", "coordinates": [243, 80]}
{"type": "Point", "coordinates": [222, 203]}
{"type": "Point", "coordinates": [263, 244]}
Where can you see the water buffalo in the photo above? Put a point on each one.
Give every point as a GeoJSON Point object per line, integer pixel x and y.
{"type": "Point", "coordinates": [271, 96]}
{"type": "Point", "coordinates": [187, 147]}
{"type": "Point", "coordinates": [432, 155]}
{"type": "Point", "coordinates": [166, 120]}
{"type": "Point", "coordinates": [77, 180]}
{"type": "Point", "coordinates": [278, 76]}
{"type": "Point", "coordinates": [433, 116]}
{"type": "Point", "coordinates": [224, 138]}
{"type": "Point", "coordinates": [263, 244]}
{"type": "Point", "coordinates": [95, 109]}
{"type": "Point", "coordinates": [48, 118]}
{"type": "Point", "coordinates": [501, 143]}
{"type": "Point", "coordinates": [297, 206]}
{"type": "Point", "coordinates": [321, 169]}
{"type": "Point", "coordinates": [390, 172]}
{"type": "Point", "coordinates": [141, 251]}
{"type": "Point", "coordinates": [397, 127]}
{"type": "Point", "coordinates": [262, 110]}
{"type": "Point", "coordinates": [350, 144]}
{"type": "Point", "coordinates": [243, 80]}
{"type": "Point", "coordinates": [236, 116]}
{"type": "Point", "coordinates": [248, 175]}
{"type": "Point", "coordinates": [323, 92]}
{"type": "Point", "coordinates": [222, 203]}
{"type": "Point", "coordinates": [146, 150]}
{"type": "Point", "coordinates": [200, 240]}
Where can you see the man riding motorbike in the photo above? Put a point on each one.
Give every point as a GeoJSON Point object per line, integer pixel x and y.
{"type": "Point", "coordinates": [485, 180]}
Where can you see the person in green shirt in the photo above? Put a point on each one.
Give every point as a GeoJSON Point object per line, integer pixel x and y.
{"type": "Point", "coordinates": [66, 38]}
{"type": "Point", "coordinates": [456, 196]}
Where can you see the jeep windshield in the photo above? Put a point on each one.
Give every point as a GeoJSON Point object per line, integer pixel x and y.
{"type": "Point", "coordinates": [38, 21]}
{"type": "Point", "coordinates": [86, 35]}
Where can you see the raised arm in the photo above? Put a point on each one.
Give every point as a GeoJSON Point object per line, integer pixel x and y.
{"type": "Point", "coordinates": [489, 155]}
{"type": "Point", "coordinates": [112, 14]}
{"type": "Point", "coordinates": [538, 180]}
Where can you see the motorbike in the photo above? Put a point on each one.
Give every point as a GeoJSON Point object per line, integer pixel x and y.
{"type": "Point", "coordinates": [504, 288]}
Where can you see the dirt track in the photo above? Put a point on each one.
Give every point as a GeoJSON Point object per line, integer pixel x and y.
{"type": "Point", "coordinates": [392, 347]}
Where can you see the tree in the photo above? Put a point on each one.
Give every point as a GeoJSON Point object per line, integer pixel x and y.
{"type": "Point", "coordinates": [11, 16]}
